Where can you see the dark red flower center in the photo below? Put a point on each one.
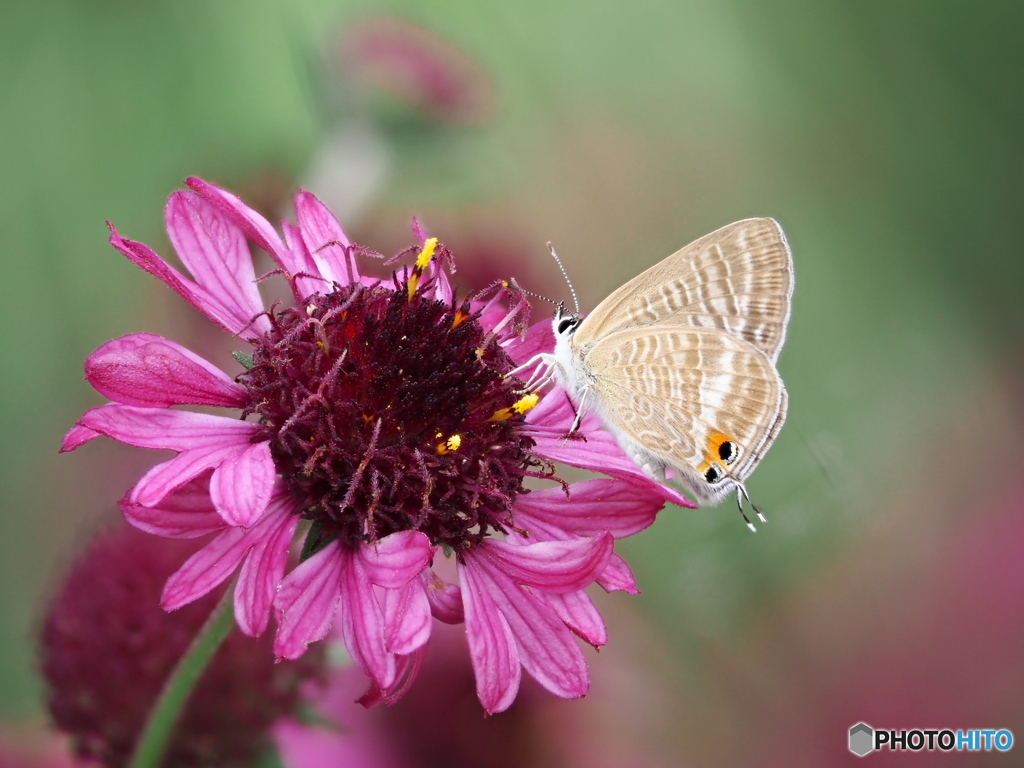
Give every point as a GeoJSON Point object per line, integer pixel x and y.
{"type": "Point", "coordinates": [387, 413]}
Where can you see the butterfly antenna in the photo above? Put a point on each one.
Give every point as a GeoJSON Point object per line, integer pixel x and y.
{"type": "Point", "coordinates": [520, 288]}
{"type": "Point", "coordinates": [565, 274]}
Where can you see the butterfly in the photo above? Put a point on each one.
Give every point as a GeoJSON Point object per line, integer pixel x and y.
{"type": "Point", "coordinates": [679, 363]}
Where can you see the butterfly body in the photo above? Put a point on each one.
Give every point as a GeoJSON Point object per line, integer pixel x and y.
{"type": "Point", "coordinates": [679, 363]}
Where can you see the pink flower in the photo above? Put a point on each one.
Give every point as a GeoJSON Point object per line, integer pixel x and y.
{"type": "Point", "coordinates": [385, 427]}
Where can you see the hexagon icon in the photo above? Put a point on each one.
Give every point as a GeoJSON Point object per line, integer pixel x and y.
{"type": "Point", "coordinates": [862, 739]}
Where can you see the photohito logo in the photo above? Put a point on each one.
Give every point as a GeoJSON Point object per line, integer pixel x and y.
{"type": "Point", "coordinates": [864, 739]}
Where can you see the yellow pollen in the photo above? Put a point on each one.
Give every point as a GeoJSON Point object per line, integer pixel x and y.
{"type": "Point", "coordinates": [449, 445]}
{"type": "Point", "coordinates": [460, 318]}
{"type": "Point", "coordinates": [519, 407]}
{"type": "Point", "coordinates": [426, 254]}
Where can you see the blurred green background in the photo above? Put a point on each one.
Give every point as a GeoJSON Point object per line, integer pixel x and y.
{"type": "Point", "coordinates": [885, 137]}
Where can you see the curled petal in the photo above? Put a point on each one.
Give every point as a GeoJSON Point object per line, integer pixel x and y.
{"type": "Point", "coordinates": [492, 647]}
{"type": "Point", "coordinates": [147, 370]}
{"type": "Point", "coordinates": [188, 513]}
{"type": "Point", "coordinates": [78, 436]}
{"type": "Point", "coordinates": [396, 559]}
{"type": "Point", "coordinates": [164, 478]}
{"type": "Point", "coordinates": [445, 598]}
{"type": "Point", "coordinates": [617, 576]}
{"type": "Point", "coordinates": [579, 614]}
{"type": "Point", "coordinates": [406, 670]}
{"type": "Point", "coordinates": [553, 566]}
{"type": "Point", "coordinates": [307, 600]}
{"type": "Point", "coordinates": [242, 483]}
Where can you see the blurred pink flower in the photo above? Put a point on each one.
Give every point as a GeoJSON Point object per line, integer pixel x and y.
{"type": "Point", "coordinates": [385, 423]}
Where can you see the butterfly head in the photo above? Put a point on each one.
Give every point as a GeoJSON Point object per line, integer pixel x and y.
{"type": "Point", "coordinates": [565, 322]}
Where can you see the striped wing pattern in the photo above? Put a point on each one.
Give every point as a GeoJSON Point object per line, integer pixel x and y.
{"type": "Point", "coordinates": [667, 390]}
{"type": "Point", "coordinates": [737, 279]}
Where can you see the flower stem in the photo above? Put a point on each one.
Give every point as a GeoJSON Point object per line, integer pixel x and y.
{"type": "Point", "coordinates": [149, 751]}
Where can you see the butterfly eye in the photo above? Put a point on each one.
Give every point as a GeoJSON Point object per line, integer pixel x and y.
{"type": "Point", "coordinates": [727, 451]}
{"type": "Point", "coordinates": [713, 474]}
{"type": "Point", "coordinates": [566, 324]}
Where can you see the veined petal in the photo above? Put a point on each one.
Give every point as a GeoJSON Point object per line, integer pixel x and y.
{"type": "Point", "coordinates": [188, 513]}
{"type": "Point", "coordinates": [307, 600]}
{"type": "Point", "coordinates": [362, 623]}
{"type": "Point", "coordinates": [593, 506]}
{"type": "Point", "coordinates": [146, 370]}
{"type": "Point", "coordinates": [617, 576]}
{"type": "Point", "coordinates": [445, 598]}
{"type": "Point", "coordinates": [163, 428]}
{"type": "Point", "coordinates": [407, 618]}
{"type": "Point", "coordinates": [207, 568]}
{"type": "Point", "coordinates": [263, 569]}
{"type": "Point", "coordinates": [213, 249]}
{"type": "Point", "coordinates": [325, 240]}
{"type": "Point", "coordinates": [578, 613]}
{"type": "Point", "coordinates": [396, 559]}
{"type": "Point", "coordinates": [547, 648]}
{"type": "Point", "coordinates": [242, 483]}
{"type": "Point", "coordinates": [406, 670]}
{"type": "Point", "coordinates": [554, 566]}
{"type": "Point", "coordinates": [306, 281]}
{"type": "Point", "coordinates": [146, 258]}
{"type": "Point", "coordinates": [256, 228]}
{"type": "Point", "coordinates": [492, 647]}
{"type": "Point", "coordinates": [171, 475]}
{"type": "Point", "coordinates": [538, 339]}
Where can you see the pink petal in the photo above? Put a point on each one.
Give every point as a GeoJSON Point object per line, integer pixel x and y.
{"type": "Point", "coordinates": [307, 280]}
{"type": "Point", "coordinates": [617, 576]}
{"type": "Point", "coordinates": [445, 598]}
{"type": "Point", "coordinates": [406, 670]}
{"type": "Point", "coordinates": [539, 338]}
{"type": "Point", "coordinates": [547, 648]}
{"type": "Point", "coordinates": [164, 478]}
{"type": "Point", "coordinates": [554, 566]}
{"type": "Point", "coordinates": [163, 428]}
{"type": "Point", "coordinates": [78, 436]}
{"type": "Point", "coordinates": [242, 483]}
{"type": "Point", "coordinates": [307, 600]}
{"type": "Point", "coordinates": [206, 569]}
{"type": "Point", "coordinates": [492, 647]}
{"type": "Point", "coordinates": [396, 559]}
{"type": "Point", "coordinates": [145, 258]}
{"type": "Point", "coordinates": [147, 370]}
{"type": "Point", "coordinates": [325, 240]}
{"type": "Point", "coordinates": [593, 506]}
{"type": "Point", "coordinates": [188, 513]}
{"type": "Point", "coordinates": [362, 623]}
{"type": "Point", "coordinates": [256, 228]}
{"type": "Point", "coordinates": [407, 618]}
{"type": "Point", "coordinates": [213, 249]}
{"type": "Point", "coordinates": [263, 569]}
{"type": "Point", "coordinates": [578, 613]}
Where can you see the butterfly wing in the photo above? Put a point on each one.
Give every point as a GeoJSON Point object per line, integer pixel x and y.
{"type": "Point", "coordinates": [701, 401]}
{"type": "Point", "coordinates": [738, 279]}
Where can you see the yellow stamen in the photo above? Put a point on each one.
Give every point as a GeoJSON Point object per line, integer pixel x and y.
{"type": "Point", "coordinates": [519, 407]}
{"type": "Point", "coordinates": [421, 263]}
{"type": "Point", "coordinates": [449, 445]}
{"type": "Point", "coordinates": [460, 318]}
